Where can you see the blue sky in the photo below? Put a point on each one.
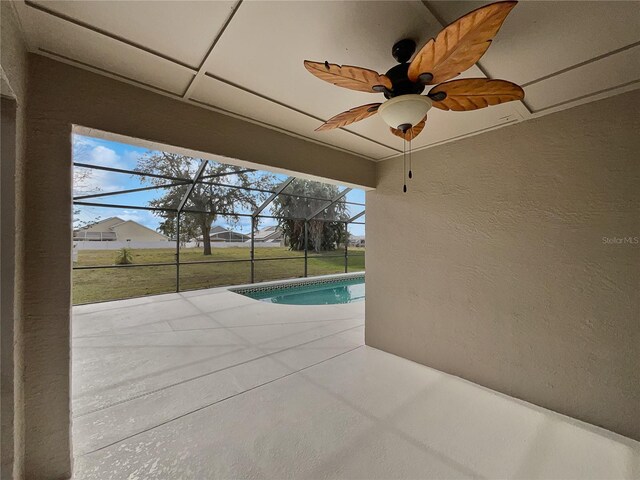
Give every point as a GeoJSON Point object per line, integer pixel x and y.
{"type": "Point", "coordinates": [97, 151]}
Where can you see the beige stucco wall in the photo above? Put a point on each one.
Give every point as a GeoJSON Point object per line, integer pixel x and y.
{"type": "Point", "coordinates": [13, 61]}
{"type": "Point", "coordinates": [46, 291]}
{"type": "Point", "coordinates": [136, 233]}
{"type": "Point", "coordinates": [7, 275]}
{"type": "Point", "coordinates": [493, 267]}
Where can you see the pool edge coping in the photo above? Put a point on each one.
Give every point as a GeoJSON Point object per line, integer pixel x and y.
{"type": "Point", "coordinates": [278, 284]}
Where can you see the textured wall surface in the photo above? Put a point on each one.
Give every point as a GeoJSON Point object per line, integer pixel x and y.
{"type": "Point", "coordinates": [501, 264]}
{"type": "Point", "coordinates": [7, 276]}
{"type": "Point", "coordinates": [13, 60]}
{"type": "Point", "coordinates": [46, 296]}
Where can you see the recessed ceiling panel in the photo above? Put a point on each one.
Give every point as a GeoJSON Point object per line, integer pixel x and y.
{"type": "Point", "coordinates": [221, 95]}
{"type": "Point", "coordinates": [562, 52]}
{"type": "Point", "coordinates": [613, 71]}
{"type": "Point", "coordinates": [541, 38]}
{"type": "Point", "coordinates": [56, 36]}
{"type": "Point", "coordinates": [264, 47]}
{"type": "Point", "coordinates": [183, 30]}
{"type": "Point", "coordinates": [359, 33]}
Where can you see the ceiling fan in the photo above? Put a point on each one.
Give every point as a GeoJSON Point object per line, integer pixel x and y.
{"type": "Point", "coordinates": [455, 49]}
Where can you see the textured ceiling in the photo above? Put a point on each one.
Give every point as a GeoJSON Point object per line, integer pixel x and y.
{"type": "Point", "coordinates": [245, 57]}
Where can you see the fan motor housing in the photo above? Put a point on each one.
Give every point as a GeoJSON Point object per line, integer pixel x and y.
{"type": "Point", "coordinates": [403, 50]}
{"type": "Point", "coordinates": [401, 83]}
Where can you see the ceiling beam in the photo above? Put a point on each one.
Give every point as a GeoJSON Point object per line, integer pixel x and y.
{"type": "Point", "coordinates": [100, 31]}
{"type": "Point", "coordinates": [203, 66]}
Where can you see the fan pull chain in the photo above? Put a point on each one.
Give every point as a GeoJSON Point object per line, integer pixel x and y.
{"type": "Point", "coordinates": [410, 153]}
{"type": "Point", "coordinates": [404, 164]}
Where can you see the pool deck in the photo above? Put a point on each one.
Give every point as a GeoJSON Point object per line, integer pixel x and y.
{"type": "Point", "coordinates": [213, 384]}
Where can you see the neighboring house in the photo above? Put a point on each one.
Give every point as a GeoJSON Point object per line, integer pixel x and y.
{"type": "Point", "coordinates": [221, 234]}
{"type": "Point", "coordinates": [272, 234]}
{"type": "Point", "coordinates": [114, 229]}
{"type": "Point", "coordinates": [356, 240]}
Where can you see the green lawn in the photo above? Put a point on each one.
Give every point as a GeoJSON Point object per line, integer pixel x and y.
{"type": "Point", "coordinates": [102, 284]}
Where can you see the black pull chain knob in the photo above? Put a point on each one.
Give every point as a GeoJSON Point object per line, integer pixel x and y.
{"type": "Point", "coordinates": [410, 174]}
{"type": "Point", "coordinates": [404, 189]}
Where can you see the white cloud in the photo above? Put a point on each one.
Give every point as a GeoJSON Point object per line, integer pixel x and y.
{"type": "Point", "coordinates": [141, 216]}
{"type": "Point", "coordinates": [106, 157]}
{"type": "Point", "coordinates": [80, 142]}
{"type": "Point", "coordinates": [131, 157]}
{"type": "Point", "coordinates": [97, 180]}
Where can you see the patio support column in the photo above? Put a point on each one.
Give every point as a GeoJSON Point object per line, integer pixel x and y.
{"type": "Point", "coordinates": [306, 249]}
{"type": "Point", "coordinates": [43, 291]}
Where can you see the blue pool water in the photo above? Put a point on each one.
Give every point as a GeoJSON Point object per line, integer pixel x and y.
{"type": "Point", "coordinates": [342, 291]}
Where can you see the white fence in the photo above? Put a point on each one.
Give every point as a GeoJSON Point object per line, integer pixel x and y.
{"type": "Point", "coordinates": [232, 245]}
{"type": "Point", "coordinates": [81, 245]}
{"type": "Point", "coordinates": [139, 245]}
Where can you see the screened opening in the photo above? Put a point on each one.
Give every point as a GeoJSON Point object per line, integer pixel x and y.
{"type": "Point", "coordinates": [150, 222]}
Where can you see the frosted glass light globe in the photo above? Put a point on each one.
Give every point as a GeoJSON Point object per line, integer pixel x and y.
{"type": "Point", "coordinates": [405, 109]}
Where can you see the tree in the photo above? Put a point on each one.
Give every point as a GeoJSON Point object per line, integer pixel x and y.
{"type": "Point", "coordinates": [209, 198]}
{"type": "Point", "coordinates": [189, 227]}
{"type": "Point", "coordinates": [327, 231]}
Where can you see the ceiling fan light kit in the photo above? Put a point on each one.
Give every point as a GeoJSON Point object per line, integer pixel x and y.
{"type": "Point", "coordinates": [455, 49]}
{"type": "Point", "coordinates": [405, 112]}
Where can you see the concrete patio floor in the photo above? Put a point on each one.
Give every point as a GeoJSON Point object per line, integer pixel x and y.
{"type": "Point", "coordinates": [212, 384]}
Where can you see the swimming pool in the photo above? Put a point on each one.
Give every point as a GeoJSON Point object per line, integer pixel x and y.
{"type": "Point", "coordinates": [311, 292]}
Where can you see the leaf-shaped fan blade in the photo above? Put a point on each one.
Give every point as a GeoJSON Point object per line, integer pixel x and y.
{"type": "Point", "coordinates": [461, 44]}
{"type": "Point", "coordinates": [350, 116]}
{"type": "Point", "coordinates": [412, 132]}
{"type": "Point", "coordinates": [474, 93]}
{"type": "Point", "coordinates": [347, 76]}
